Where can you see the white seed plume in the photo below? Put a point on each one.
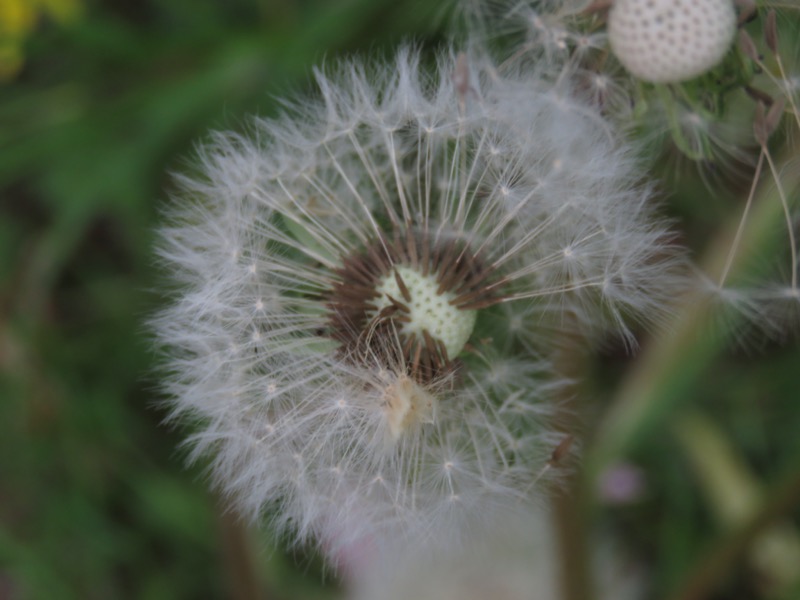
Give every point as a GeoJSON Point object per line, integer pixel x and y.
{"type": "Point", "coordinates": [668, 41]}
{"type": "Point", "coordinates": [363, 288]}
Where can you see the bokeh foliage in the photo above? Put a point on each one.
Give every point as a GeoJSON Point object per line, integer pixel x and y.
{"type": "Point", "coordinates": [94, 499]}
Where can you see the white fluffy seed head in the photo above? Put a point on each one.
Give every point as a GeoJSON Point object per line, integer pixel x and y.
{"type": "Point", "coordinates": [667, 41]}
{"type": "Point", "coordinates": [313, 405]}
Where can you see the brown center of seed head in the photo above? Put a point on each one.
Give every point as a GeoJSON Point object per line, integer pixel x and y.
{"type": "Point", "coordinates": [408, 302]}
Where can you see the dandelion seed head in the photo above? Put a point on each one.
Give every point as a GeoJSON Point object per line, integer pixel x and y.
{"type": "Point", "coordinates": [667, 41]}
{"type": "Point", "coordinates": [362, 304]}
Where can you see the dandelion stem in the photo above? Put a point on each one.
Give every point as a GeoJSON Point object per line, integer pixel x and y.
{"type": "Point", "coordinates": [786, 214]}
{"type": "Point", "coordinates": [789, 95]}
{"type": "Point", "coordinates": [243, 578]}
{"type": "Point", "coordinates": [779, 83]}
{"type": "Point", "coordinates": [748, 205]}
{"type": "Point", "coordinates": [570, 514]}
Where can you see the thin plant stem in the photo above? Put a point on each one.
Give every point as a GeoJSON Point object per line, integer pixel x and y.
{"type": "Point", "coordinates": [789, 95]}
{"type": "Point", "coordinates": [238, 558]}
{"type": "Point", "coordinates": [748, 205]}
{"type": "Point", "coordinates": [786, 213]}
{"type": "Point", "coordinates": [569, 501]}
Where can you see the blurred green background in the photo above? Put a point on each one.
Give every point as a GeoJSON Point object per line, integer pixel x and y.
{"type": "Point", "coordinates": [99, 101]}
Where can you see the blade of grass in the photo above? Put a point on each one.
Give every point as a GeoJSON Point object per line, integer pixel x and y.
{"type": "Point", "coordinates": [735, 497]}
{"type": "Point", "coordinates": [780, 499]}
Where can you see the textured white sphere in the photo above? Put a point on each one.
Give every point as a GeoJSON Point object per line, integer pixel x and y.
{"type": "Point", "coordinates": [428, 310]}
{"type": "Point", "coordinates": [666, 41]}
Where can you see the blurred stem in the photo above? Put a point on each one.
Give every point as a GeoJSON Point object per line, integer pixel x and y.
{"type": "Point", "coordinates": [736, 498]}
{"type": "Point", "coordinates": [238, 558]}
{"type": "Point", "coordinates": [568, 500]}
{"type": "Point", "coordinates": [671, 363]}
{"type": "Point", "coordinates": [572, 526]}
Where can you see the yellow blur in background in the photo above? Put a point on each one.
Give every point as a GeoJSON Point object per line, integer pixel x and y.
{"type": "Point", "coordinates": [19, 20]}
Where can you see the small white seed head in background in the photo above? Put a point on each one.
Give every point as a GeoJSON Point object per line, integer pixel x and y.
{"type": "Point", "coordinates": [668, 41]}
